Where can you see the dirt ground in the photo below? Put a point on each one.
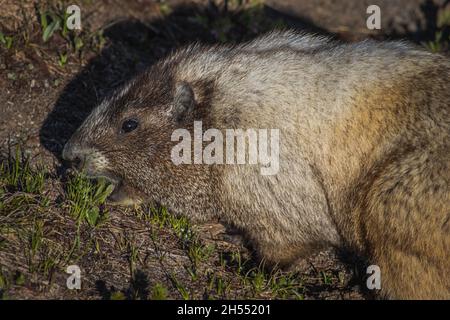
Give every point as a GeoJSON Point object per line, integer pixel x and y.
{"type": "Point", "coordinates": [49, 86]}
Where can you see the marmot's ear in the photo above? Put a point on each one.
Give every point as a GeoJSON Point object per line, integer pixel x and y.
{"type": "Point", "coordinates": [183, 102]}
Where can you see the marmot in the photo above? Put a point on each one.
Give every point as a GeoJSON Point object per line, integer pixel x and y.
{"type": "Point", "coordinates": [364, 149]}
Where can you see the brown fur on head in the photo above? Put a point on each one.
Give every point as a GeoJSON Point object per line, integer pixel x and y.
{"type": "Point", "coordinates": [138, 161]}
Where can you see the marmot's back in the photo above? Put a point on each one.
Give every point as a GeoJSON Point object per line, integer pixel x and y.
{"type": "Point", "coordinates": [373, 119]}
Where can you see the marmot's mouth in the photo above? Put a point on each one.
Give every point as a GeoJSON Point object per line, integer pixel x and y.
{"type": "Point", "coordinates": [110, 178]}
{"type": "Point", "coordinates": [117, 183]}
{"type": "Point", "coordinates": [122, 194]}
{"type": "Point", "coordinates": [116, 193]}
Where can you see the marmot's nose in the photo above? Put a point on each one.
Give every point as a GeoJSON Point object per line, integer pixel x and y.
{"type": "Point", "coordinates": [74, 154]}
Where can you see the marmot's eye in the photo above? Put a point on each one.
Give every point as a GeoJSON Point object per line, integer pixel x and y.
{"type": "Point", "coordinates": [129, 125]}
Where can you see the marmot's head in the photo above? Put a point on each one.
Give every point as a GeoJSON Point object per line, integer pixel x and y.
{"type": "Point", "coordinates": [127, 139]}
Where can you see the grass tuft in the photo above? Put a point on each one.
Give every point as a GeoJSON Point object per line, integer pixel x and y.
{"type": "Point", "coordinates": [16, 175]}
{"type": "Point", "coordinates": [85, 199]}
{"type": "Point", "coordinates": [159, 292]}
